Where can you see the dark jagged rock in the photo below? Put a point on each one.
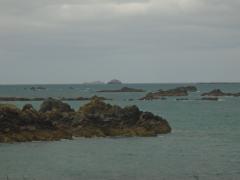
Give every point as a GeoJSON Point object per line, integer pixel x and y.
{"type": "Point", "coordinates": [116, 121]}
{"type": "Point", "coordinates": [56, 121]}
{"type": "Point", "coordinates": [114, 81]}
{"type": "Point", "coordinates": [218, 92]}
{"type": "Point", "coordinates": [53, 104]}
{"type": "Point", "coordinates": [124, 89]}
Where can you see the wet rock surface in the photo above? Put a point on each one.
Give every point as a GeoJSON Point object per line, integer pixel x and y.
{"type": "Point", "coordinates": [56, 120]}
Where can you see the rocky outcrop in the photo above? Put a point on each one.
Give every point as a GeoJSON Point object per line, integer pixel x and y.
{"type": "Point", "coordinates": [161, 93]}
{"type": "Point", "coordinates": [124, 89]}
{"type": "Point", "coordinates": [179, 91]}
{"type": "Point", "coordinates": [218, 92]}
{"type": "Point", "coordinates": [107, 120]}
{"type": "Point", "coordinates": [56, 120]}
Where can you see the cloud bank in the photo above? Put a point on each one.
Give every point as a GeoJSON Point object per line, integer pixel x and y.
{"type": "Point", "coordinates": [83, 40]}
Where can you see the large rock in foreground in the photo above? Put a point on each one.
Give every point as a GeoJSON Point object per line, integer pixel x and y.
{"type": "Point", "coordinates": [116, 121]}
{"type": "Point", "coordinates": [56, 120]}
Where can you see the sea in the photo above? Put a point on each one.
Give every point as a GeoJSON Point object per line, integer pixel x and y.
{"type": "Point", "coordinates": [204, 143]}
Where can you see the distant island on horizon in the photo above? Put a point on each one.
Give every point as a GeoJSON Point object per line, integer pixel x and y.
{"type": "Point", "coordinates": [113, 81]}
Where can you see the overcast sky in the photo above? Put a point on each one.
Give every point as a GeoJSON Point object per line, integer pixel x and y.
{"type": "Point", "coordinates": [74, 41]}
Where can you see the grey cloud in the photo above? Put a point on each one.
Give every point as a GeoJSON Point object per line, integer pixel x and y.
{"type": "Point", "coordinates": [115, 38]}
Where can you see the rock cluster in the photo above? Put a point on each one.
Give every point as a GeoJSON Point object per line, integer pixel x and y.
{"type": "Point", "coordinates": [218, 92]}
{"type": "Point", "coordinates": [179, 91]}
{"type": "Point", "coordinates": [56, 120]}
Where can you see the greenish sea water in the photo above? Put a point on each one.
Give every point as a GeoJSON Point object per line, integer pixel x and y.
{"type": "Point", "coordinates": [204, 144]}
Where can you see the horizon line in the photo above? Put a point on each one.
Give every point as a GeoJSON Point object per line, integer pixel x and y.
{"type": "Point", "coordinates": [86, 83]}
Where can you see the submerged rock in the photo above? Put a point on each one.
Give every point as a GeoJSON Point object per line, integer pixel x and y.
{"type": "Point", "coordinates": [56, 120]}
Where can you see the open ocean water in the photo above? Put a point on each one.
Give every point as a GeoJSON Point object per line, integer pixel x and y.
{"type": "Point", "coordinates": [204, 143]}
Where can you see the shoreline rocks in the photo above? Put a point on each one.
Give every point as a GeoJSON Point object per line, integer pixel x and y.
{"type": "Point", "coordinates": [124, 89]}
{"type": "Point", "coordinates": [56, 120]}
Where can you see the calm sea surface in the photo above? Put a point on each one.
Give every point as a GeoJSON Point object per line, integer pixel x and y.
{"type": "Point", "coordinates": [204, 144]}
